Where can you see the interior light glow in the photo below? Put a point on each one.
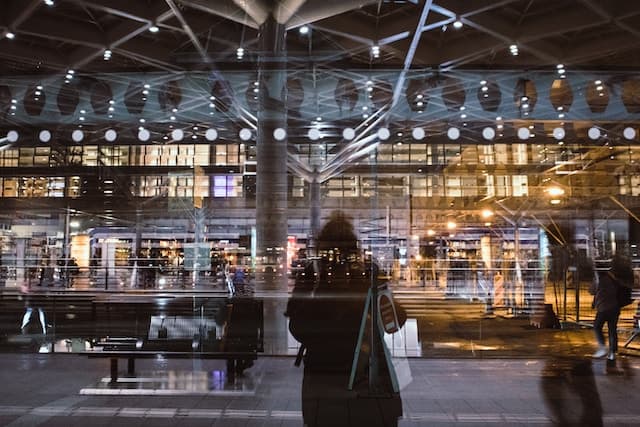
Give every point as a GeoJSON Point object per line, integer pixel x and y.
{"type": "Point", "coordinates": [154, 28]}
{"type": "Point", "coordinates": [245, 134]}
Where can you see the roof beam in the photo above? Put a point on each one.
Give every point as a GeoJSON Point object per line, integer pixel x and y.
{"type": "Point", "coordinates": [226, 9]}
{"type": "Point", "coordinates": [312, 12]}
{"type": "Point", "coordinates": [187, 29]}
{"type": "Point", "coordinates": [115, 37]}
{"type": "Point", "coordinates": [285, 9]}
{"type": "Point", "coordinates": [256, 9]}
{"type": "Point", "coordinates": [399, 86]}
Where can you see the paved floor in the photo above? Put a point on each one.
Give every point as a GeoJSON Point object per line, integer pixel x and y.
{"type": "Point", "coordinates": [71, 390]}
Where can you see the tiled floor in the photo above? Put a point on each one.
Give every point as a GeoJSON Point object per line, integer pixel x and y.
{"type": "Point", "coordinates": [48, 390]}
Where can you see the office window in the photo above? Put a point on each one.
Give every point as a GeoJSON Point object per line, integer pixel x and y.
{"type": "Point", "coordinates": [9, 187]}
{"type": "Point", "coordinates": [453, 188]}
{"type": "Point", "coordinates": [520, 185]}
{"type": "Point", "coordinates": [90, 155]}
{"type": "Point", "coordinates": [419, 186]}
{"type": "Point", "coordinates": [501, 156]}
{"type": "Point", "coordinates": [297, 189]}
{"type": "Point", "coordinates": [227, 186]}
{"type": "Point", "coordinates": [9, 158]}
{"type": "Point", "coordinates": [519, 152]}
{"type": "Point", "coordinates": [487, 155]}
{"type": "Point", "coordinates": [151, 186]}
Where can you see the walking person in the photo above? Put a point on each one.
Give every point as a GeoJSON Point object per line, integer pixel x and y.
{"type": "Point", "coordinates": [605, 291]}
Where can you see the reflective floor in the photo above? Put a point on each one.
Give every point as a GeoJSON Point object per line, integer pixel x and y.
{"type": "Point", "coordinates": [455, 364]}
{"type": "Point", "coordinates": [69, 390]}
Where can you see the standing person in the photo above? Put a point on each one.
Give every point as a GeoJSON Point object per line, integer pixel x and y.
{"type": "Point", "coordinates": [605, 291]}
{"type": "Point", "coordinates": [239, 280]}
{"type": "Point", "coordinates": [325, 313]}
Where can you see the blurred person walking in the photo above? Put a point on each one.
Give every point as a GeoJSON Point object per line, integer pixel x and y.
{"type": "Point", "coordinates": [606, 291]}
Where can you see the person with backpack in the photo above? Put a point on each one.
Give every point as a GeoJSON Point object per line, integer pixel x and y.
{"type": "Point", "coordinates": [610, 294]}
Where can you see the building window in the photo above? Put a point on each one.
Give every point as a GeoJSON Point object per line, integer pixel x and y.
{"type": "Point", "coordinates": [520, 185]}
{"type": "Point", "coordinates": [227, 186]}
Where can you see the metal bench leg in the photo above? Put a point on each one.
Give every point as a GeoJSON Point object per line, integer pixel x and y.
{"type": "Point", "coordinates": [633, 336]}
{"type": "Point", "coordinates": [114, 370]}
{"type": "Point", "coordinates": [131, 366]}
{"type": "Point", "coordinates": [231, 370]}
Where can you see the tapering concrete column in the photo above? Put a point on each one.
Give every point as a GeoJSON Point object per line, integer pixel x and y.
{"type": "Point", "coordinates": [271, 179]}
{"type": "Point", "coordinates": [271, 186]}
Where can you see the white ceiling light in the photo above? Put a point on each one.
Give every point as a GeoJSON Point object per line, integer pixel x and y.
{"type": "Point", "coordinates": [45, 136]}
{"type": "Point", "coordinates": [211, 134]}
{"type": "Point", "coordinates": [77, 135]}
{"type": "Point", "coordinates": [417, 134]}
{"type": "Point", "coordinates": [110, 135]}
{"type": "Point", "coordinates": [12, 136]}
{"type": "Point", "coordinates": [279, 134]}
{"type": "Point", "coordinates": [304, 29]}
{"type": "Point", "coordinates": [488, 133]}
{"type": "Point", "coordinates": [457, 24]}
{"type": "Point", "coordinates": [154, 28]}
{"type": "Point", "coordinates": [629, 133]}
{"type": "Point", "coordinates": [384, 134]}
{"type": "Point", "coordinates": [348, 134]}
{"type": "Point", "coordinates": [10, 35]}
{"type": "Point", "coordinates": [594, 133]}
{"type": "Point", "coordinates": [313, 134]}
{"type": "Point", "coordinates": [245, 134]}
{"type": "Point", "coordinates": [524, 133]}
{"type": "Point", "coordinates": [559, 133]}
{"type": "Point", "coordinates": [143, 135]}
{"type": "Point", "coordinates": [177, 134]}
{"type": "Point", "coordinates": [453, 133]}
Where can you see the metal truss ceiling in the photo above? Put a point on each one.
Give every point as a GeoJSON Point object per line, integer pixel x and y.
{"type": "Point", "coordinates": [202, 34]}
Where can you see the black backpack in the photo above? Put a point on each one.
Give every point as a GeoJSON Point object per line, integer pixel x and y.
{"type": "Point", "coordinates": [623, 295]}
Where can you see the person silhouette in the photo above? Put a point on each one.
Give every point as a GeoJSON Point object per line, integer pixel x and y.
{"type": "Point", "coordinates": [325, 313]}
{"type": "Point", "coordinates": [570, 392]}
{"type": "Point", "coordinates": [26, 318]}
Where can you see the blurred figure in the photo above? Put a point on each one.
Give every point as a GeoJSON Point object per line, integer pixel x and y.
{"type": "Point", "coordinates": [570, 392]}
{"type": "Point", "coordinates": [239, 279]}
{"type": "Point", "coordinates": [325, 311]}
{"type": "Point", "coordinates": [605, 290]}
{"type": "Point", "coordinates": [26, 318]}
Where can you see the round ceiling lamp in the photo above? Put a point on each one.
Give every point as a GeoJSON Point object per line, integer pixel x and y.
{"type": "Point", "coordinates": [524, 133]}
{"type": "Point", "coordinates": [77, 135]}
{"type": "Point", "coordinates": [629, 133]}
{"type": "Point", "coordinates": [594, 133]}
{"type": "Point", "coordinates": [488, 133]}
{"type": "Point", "coordinates": [349, 134]}
{"type": "Point", "coordinates": [279, 134]}
{"type": "Point", "coordinates": [44, 136]}
{"type": "Point", "coordinates": [143, 135]}
{"type": "Point", "coordinates": [245, 134]}
{"type": "Point", "coordinates": [417, 134]}
{"type": "Point", "coordinates": [12, 136]}
{"type": "Point", "coordinates": [313, 134]}
{"type": "Point", "coordinates": [453, 133]}
{"type": "Point", "coordinates": [559, 133]}
{"type": "Point", "coordinates": [110, 135]}
{"type": "Point", "coordinates": [177, 134]}
{"type": "Point", "coordinates": [211, 134]}
{"type": "Point", "coordinates": [384, 134]}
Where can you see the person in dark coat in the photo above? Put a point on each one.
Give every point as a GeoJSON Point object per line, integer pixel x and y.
{"type": "Point", "coordinates": [325, 313]}
{"type": "Point", "coordinates": [605, 301]}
